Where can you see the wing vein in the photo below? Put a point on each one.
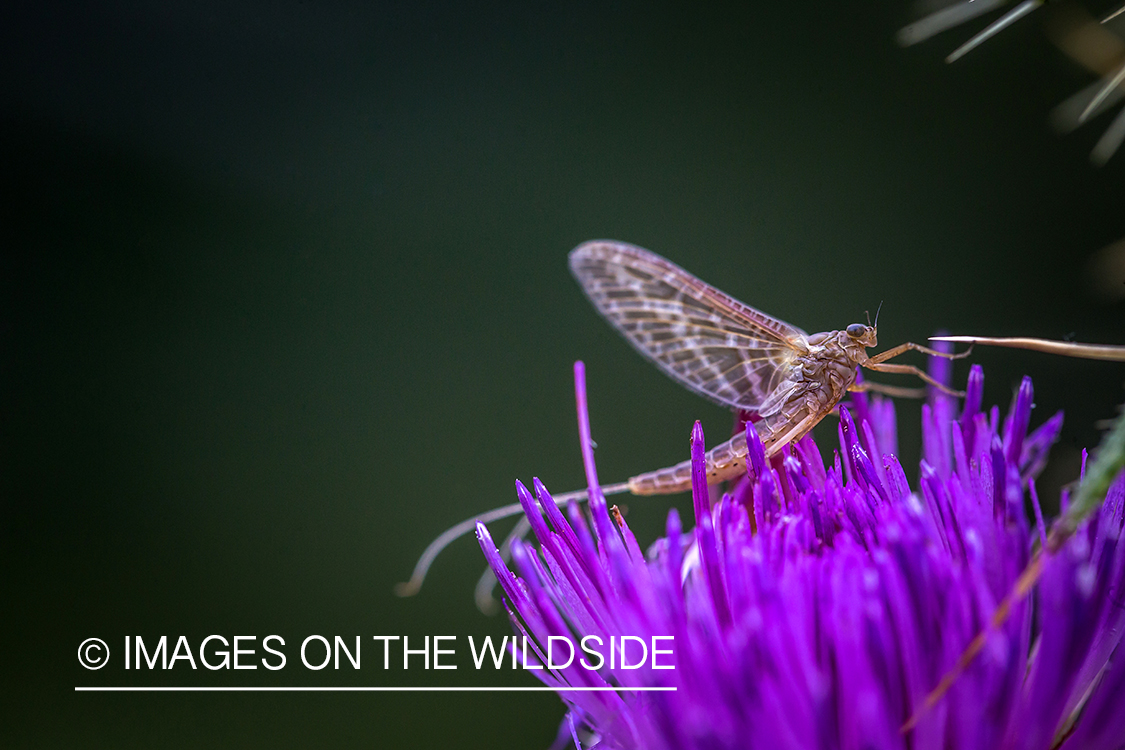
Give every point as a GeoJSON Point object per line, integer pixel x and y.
{"type": "Point", "coordinates": [710, 342]}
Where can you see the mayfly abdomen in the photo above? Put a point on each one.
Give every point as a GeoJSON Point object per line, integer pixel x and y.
{"type": "Point", "coordinates": [728, 460]}
{"type": "Point", "coordinates": [725, 461]}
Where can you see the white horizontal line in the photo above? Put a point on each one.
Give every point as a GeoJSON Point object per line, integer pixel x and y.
{"type": "Point", "coordinates": [381, 689]}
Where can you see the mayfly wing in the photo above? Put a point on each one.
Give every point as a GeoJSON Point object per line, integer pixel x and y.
{"type": "Point", "coordinates": [712, 343]}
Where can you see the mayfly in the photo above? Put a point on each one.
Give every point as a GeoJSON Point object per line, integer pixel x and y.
{"type": "Point", "coordinates": [725, 350]}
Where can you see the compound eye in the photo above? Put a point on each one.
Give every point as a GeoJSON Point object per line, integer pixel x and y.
{"type": "Point", "coordinates": [855, 330]}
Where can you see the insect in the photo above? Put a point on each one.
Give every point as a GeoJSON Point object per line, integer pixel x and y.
{"type": "Point", "coordinates": [723, 349]}
{"type": "Point", "coordinates": [731, 353]}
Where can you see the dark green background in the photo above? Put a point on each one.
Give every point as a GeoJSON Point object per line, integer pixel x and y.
{"type": "Point", "coordinates": [285, 295]}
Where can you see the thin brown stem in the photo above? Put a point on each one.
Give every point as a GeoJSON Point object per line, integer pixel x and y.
{"type": "Point", "coordinates": [1111, 352]}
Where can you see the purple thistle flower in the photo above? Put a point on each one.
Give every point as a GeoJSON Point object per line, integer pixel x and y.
{"type": "Point", "coordinates": [816, 606]}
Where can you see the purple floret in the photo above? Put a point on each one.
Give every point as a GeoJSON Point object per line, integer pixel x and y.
{"type": "Point", "coordinates": [816, 606]}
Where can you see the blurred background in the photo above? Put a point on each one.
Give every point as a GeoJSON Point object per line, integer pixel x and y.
{"type": "Point", "coordinates": [285, 295]}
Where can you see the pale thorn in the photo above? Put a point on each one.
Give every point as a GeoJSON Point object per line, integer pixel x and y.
{"type": "Point", "coordinates": [1112, 85]}
{"type": "Point", "coordinates": [1110, 141]}
{"type": "Point", "coordinates": [995, 28]}
{"type": "Point", "coordinates": [1066, 116]}
{"type": "Point", "coordinates": [943, 20]}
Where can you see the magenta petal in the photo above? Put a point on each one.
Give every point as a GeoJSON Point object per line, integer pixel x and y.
{"type": "Point", "coordinates": [816, 606]}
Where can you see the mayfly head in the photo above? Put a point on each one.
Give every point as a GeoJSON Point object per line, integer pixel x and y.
{"type": "Point", "coordinates": [864, 335]}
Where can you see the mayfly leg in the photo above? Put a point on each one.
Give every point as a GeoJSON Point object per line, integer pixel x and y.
{"type": "Point", "coordinates": [879, 363]}
{"type": "Point", "coordinates": [894, 391]}
{"type": "Point", "coordinates": [912, 347]}
{"type": "Point", "coordinates": [921, 374]}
